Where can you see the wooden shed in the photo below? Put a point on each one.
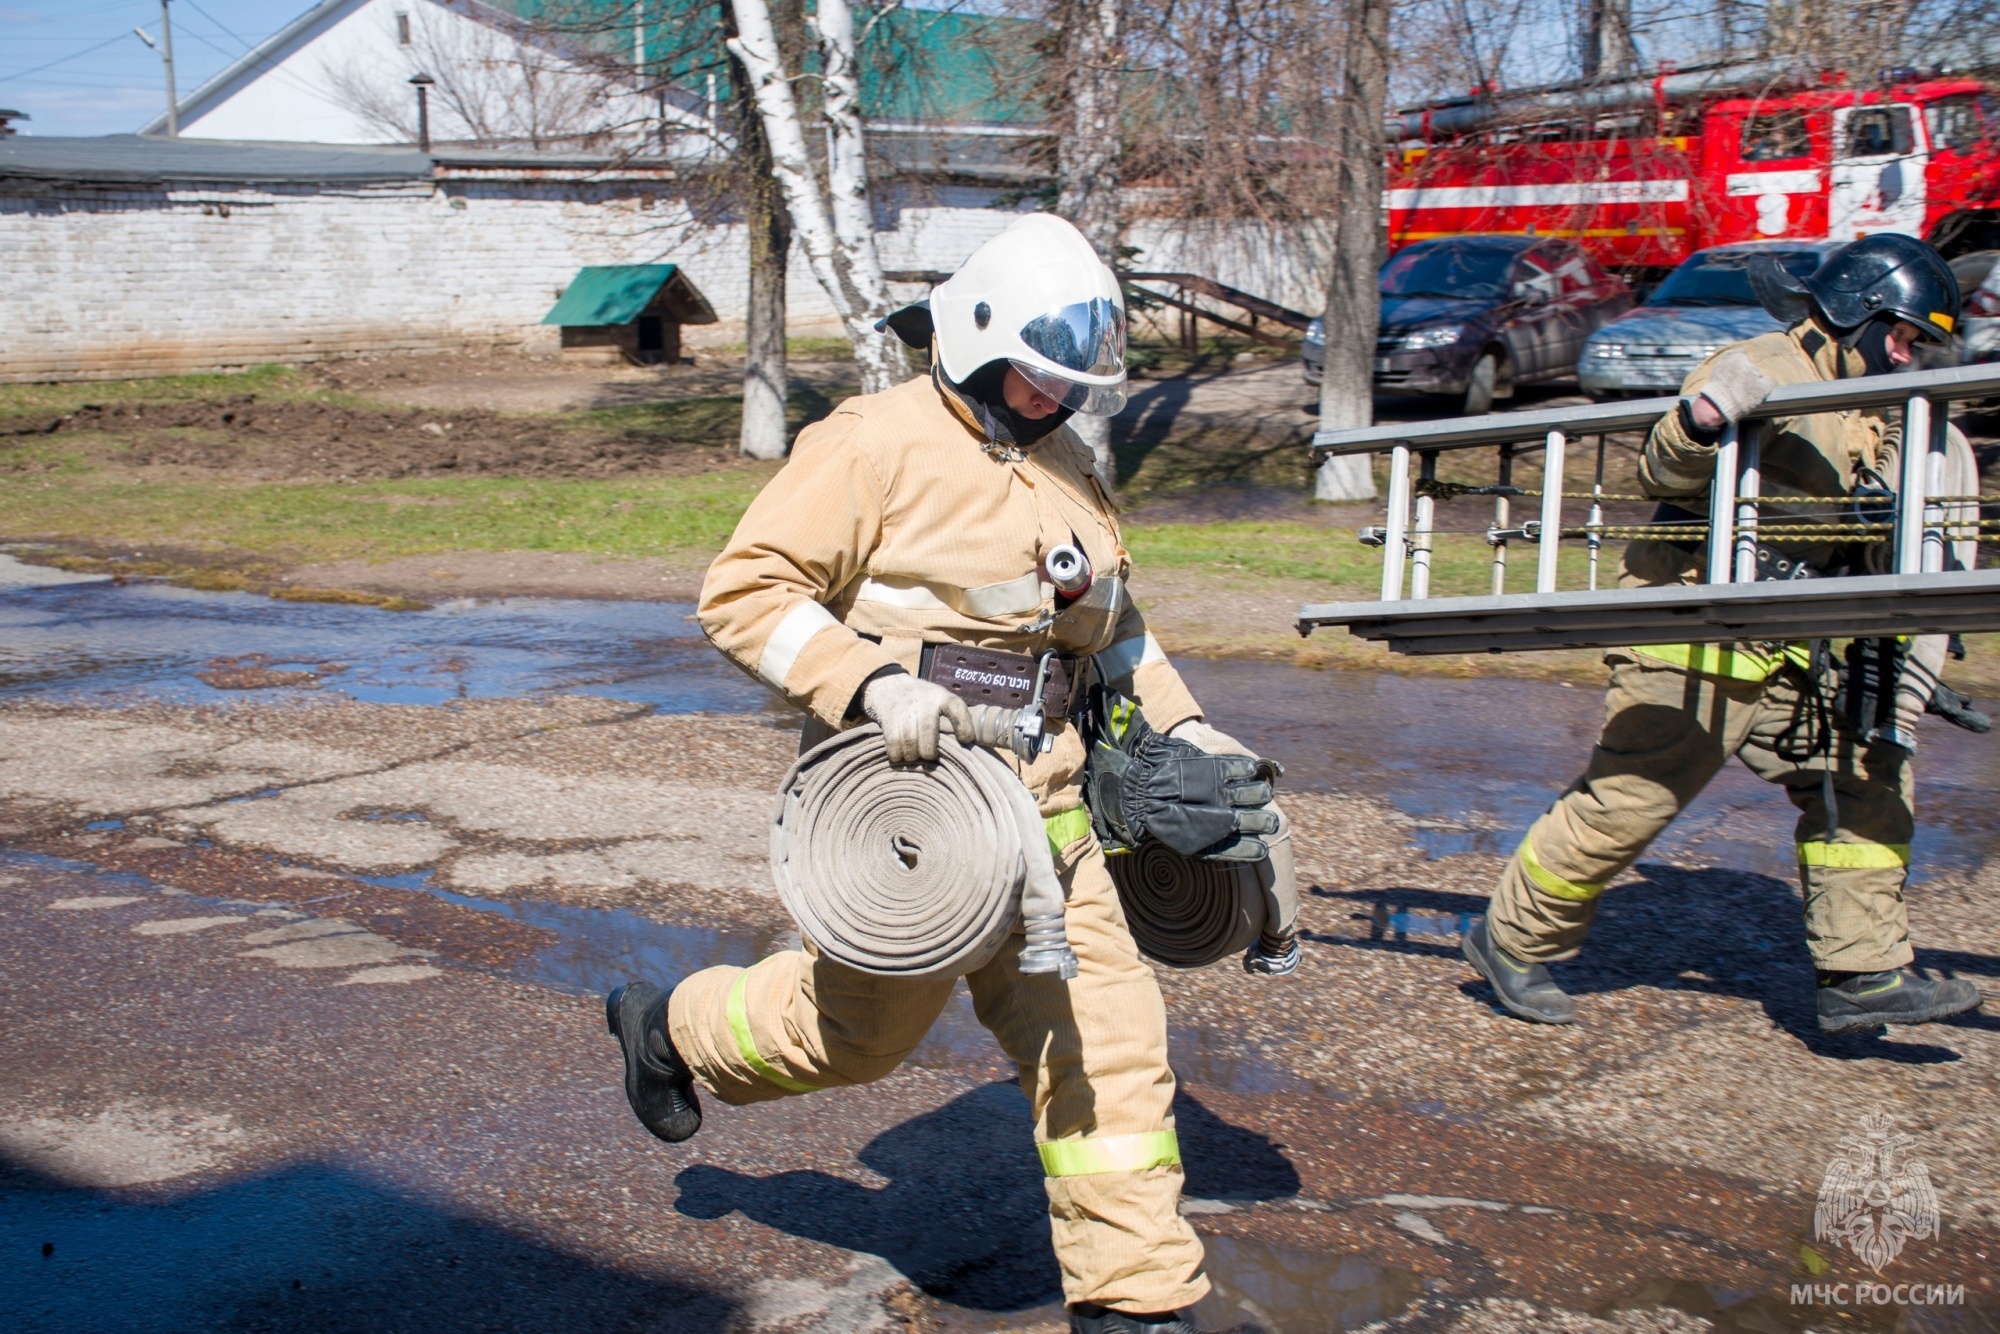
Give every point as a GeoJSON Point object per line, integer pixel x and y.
{"type": "Point", "coordinates": [629, 311]}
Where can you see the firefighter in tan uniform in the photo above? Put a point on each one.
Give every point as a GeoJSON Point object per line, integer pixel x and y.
{"type": "Point", "coordinates": [1677, 712]}
{"type": "Point", "coordinates": [906, 521]}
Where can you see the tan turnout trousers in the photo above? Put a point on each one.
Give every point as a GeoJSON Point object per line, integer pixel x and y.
{"type": "Point", "coordinates": [1666, 733]}
{"type": "Point", "coordinates": [1092, 1053]}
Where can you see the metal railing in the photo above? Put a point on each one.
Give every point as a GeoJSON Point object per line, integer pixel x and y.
{"type": "Point", "coordinates": [1919, 596]}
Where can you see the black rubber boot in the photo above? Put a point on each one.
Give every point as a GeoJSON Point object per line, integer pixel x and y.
{"type": "Point", "coordinates": [657, 1082]}
{"type": "Point", "coordinates": [1090, 1318]}
{"type": "Point", "coordinates": [1525, 988]}
{"type": "Point", "coordinates": [1850, 1002]}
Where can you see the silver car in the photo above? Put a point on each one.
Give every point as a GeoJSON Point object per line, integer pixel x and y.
{"type": "Point", "coordinates": [1979, 281]}
{"type": "Point", "coordinates": [1703, 305]}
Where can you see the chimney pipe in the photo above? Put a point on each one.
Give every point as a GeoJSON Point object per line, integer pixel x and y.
{"type": "Point", "coordinates": [423, 84]}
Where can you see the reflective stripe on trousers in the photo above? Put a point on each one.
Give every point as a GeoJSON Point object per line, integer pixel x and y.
{"type": "Point", "coordinates": [1855, 856]}
{"type": "Point", "coordinates": [1735, 662]}
{"type": "Point", "coordinates": [1576, 891]}
{"type": "Point", "coordinates": [1091, 1155]}
{"type": "Point", "coordinates": [746, 1042]}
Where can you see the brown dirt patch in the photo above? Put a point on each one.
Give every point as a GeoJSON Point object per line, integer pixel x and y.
{"type": "Point", "coordinates": [260, 671]}
{"type": "Point", "coordinates": [520, 574]}
{"type": "Point", "coordinates": [268, 440]}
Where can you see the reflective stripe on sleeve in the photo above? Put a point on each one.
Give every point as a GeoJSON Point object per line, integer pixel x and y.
{"type": "Point", "coordinates": [1855, 856]}
{"type": "Point", "coordinates": [1127, 656]}
{"type": "Point", "coordinates": [1550, 883]}
{"type": "Point", "coordinates": [1065, 828]}
{"type": "Point", "coordinates": [1094, 1154]}
{"type": "Point", "coordinates": [806, 619]}
{"type": "Point", "coordinates": [746, 1043]}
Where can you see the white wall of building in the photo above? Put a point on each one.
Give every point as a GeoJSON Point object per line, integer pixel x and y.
{"type": "Point", "coordinates": [343, 78]}
{"type": "Point", "coordinates": [112, 283]}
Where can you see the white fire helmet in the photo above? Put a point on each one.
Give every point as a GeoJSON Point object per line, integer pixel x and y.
{"type": "Point", "coordinates": [1037, 295]}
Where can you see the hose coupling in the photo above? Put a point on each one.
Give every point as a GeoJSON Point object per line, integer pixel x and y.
{"type": "Point", "coordinates": [1020, 732]}
{"type": "Point", "coordinates": [1068, 570]}
{"type": "Point", "coordinates": [1047, 950]}
{"type": "Point", "coordinates": [1272, 956]}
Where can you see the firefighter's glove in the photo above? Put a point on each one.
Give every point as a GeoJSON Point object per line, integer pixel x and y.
{"type": "Point", "coordinates": [1214, 741]}
{"type": "Point", "coordinates": [1200, 805]}
{"type": "Point", "coordinates": [910, 712]}
{"type": "Point", "coordinates": [1736, 386]}
{"type": "Point", "coordinates": [1957, 710]}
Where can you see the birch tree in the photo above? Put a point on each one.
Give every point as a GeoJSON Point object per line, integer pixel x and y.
{"type": "Point", "coordinates": [765, 373]}
{"type": "Point", "coordinates": [1087, 160]}
{"type": "Point", "coordinates": [1353, 293]}
{"type": "Point", "coordinates": [832, 219]}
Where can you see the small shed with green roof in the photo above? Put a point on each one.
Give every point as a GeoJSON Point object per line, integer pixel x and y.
{"type": "Point", "coordinates": [629, 311]}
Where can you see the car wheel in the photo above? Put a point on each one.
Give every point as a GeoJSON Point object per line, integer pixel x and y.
{"type": "Point", "coordinates": [1480, 387]}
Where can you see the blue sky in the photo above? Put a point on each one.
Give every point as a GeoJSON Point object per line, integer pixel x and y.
{"type": "Point", "coordinates": [48, 70]}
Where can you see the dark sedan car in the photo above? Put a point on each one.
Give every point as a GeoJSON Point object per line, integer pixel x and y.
{"type": "Point", "coordinates": [1473, 316]}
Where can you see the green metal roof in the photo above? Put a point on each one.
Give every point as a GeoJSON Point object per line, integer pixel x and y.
{"type": "Point", "coordinates": [616, 293]}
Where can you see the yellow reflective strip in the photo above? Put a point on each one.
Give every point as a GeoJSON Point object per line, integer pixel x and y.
{"type": "Point", "coordinates": [739, 1028]}
{"type": "Point", "coordinates": [1066, 828]}
{"type": "Point", "coordinates": [1943, 321]}
{"type": "Point", "coordinates": [1724, 660]}
{"type": "Point", "coordinates": [1855, 856]}
{"type": "Point", "coordinates": [1109, 1153]}
{"type": "Point", "coordinates": [1551, 883]}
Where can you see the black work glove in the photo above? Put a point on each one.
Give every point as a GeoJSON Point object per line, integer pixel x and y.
{"type": "Point", "coordinates": [1957, 710]}
{"type": "Point", "coordinates": [1171, 791]}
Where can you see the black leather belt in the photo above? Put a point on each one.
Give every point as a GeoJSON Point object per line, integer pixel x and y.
{"type": "Point", "coordinates": [1005, 680]}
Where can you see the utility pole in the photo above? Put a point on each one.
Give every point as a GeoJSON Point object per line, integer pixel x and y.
{"type": "Point", "coordinates": [167, 60]}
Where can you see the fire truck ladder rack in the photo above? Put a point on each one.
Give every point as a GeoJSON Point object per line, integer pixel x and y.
{"type": "Point", "coordinates": [1919, 597]}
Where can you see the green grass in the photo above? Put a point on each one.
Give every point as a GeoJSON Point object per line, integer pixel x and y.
{"type": "Point", "coordinates": [804, 349]}
{"type": "Point", "coordinates": [263, 381]}
{"type": "Point", "coordinates": [379, 520]}
{"type": "Point", "coordinates": [1461, 563]}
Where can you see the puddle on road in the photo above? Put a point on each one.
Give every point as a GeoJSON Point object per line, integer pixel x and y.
{"type": "Point", "coordinates": [1277, 1290]}
{"type": "Point", "coordinates": [1472, 762]}
{"type": "Point", "coordinates": [599, 948]}
{"type": "Point", "coordinates": [96, 638]}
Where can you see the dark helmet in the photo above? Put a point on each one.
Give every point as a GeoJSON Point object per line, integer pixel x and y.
{"type": "Point", "coordinates": [1883, 274]}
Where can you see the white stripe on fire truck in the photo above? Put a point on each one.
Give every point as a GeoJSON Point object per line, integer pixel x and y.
{"type": "Point", "coordinates": [1773, 183]}
{"type": "Point", "coordinates": [1520, 196]}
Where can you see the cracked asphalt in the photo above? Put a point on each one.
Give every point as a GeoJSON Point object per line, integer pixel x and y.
{"type": "Point", "coordinates": [303, 1031]}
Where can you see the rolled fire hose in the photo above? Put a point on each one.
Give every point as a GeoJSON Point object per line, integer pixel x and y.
{"type": "Point", "coordinates": [1189, 912]}
{"type": "Point", "coordinates": [918, 871]}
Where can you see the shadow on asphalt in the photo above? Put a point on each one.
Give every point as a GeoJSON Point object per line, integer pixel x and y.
{"type": "Point", "coordinates": [964, 1216]}
{"type": "Point", "coordinates": [1722, 932]}
{"type": "Point", "coordinates": [310, 1247]}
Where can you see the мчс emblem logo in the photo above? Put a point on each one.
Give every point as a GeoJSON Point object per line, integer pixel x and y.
{"type": "Point", "coordinates": [1873, 1200]}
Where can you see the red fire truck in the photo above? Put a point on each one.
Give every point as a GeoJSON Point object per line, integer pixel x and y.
{"type": "Point", "coordinates": [1646, 171]}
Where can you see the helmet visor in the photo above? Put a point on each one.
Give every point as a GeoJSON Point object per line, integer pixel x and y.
{"type": "Point", "coordinates": [1087, 337]}
{"type": "Point", "coordinates": [1092, 400]}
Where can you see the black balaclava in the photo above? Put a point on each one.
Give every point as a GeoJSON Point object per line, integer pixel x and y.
{"type": "Point", "coordinates": [1871, 340]}
{"type": "Point", "coordinates": [981, 389]}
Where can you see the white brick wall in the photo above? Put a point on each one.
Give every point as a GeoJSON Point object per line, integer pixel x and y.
{"type": "Point", "coordinates": [157, 281]}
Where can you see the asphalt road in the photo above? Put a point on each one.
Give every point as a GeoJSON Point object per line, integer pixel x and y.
{"type": "Point", "coordinates": [303, 1031]}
